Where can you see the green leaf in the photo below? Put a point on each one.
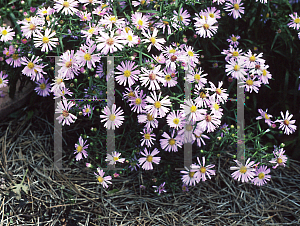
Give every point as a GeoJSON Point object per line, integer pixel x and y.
{"type": "Point", "coordinates": [29, 114]}
{"type": "Point", "coordinates": [275, 38]}
{"type": "Point", "coordinates": [113, 191]}
{"type": "Point", "coordinates": [270, 136]}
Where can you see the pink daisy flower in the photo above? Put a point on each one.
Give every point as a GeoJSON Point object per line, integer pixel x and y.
{"type": "Point", "coordinates": [68, 64]}
{"type": "Point", "coordinates": [295, 21]}
{"type": "Point", "coordinates": [110, 43]}
{"type": "Point", "coordinates": [243, 171]}
{"type": "Point", "coordinates": [103, 180]}
{"type": "Point", "coordinates": [46, 41]}
{"type": "Point", "coordinates": [252, 59]}
{"type": "Point", "coordinates": [148, 119]}
{"type": "Point", "coordinates": [233, 40]}
{"type": "Point", "coordinates": [6, 34]}
{"type": "Point", "coordinates": [187, 133]}
{"type": "Point", "coordinates": [189, 177]}
{"type": "Point", "coordinates": [181, 18]}
{"type": "Point", "coordinates": [164, 24]}
{"type": "Point", "coordinates": [67, 6]}
{"type": "Point", "coordinates": [148, 137]}
{"type": "Point", "coordinates": [33, 69]}
{"type": "Point", "coordinates": [43, 87]}
{"type": "Point", "coordinates": [265, 116]}
{"type": "Point", "coordinates": [157, 106]}
{"type": "Point", "coordinates": [190, 109]}
{"type": "Point", "coordinates": [140, 21]}
{"type": "Point", "coordinates": [280, 159]}
{"type": "Point", "coordinates": [219, 93]}
{"type": "Point", "coordinates": [175, 119]}
{"type": "Point", "coordinates": [209, 122]}
{"type": "Point", "coordinates": [138, 102]}
{"type": "Point", "coordinates": [185, 187]}
{"type": "Point", "coordinates": [202, 99]}
{"type": "Point", "coordinates": [235, 8]}
{"type": "Point", "coordinates": [85, 55]}
{"type": "Point", "coordinates": [199, 136]}
{"type": "Point", "coordinates": [213, 12]}
{"type": "Point", "coordinates": [151, 78]}
{"type": "Point", "coordinates": [63, 108]}
{"type": "Point", "coordinates": [170, 143]}
{"type": "Point", "coordinates": [205, 27]}
{"type": "Point", "coordinates": [86, 110]}
{"type": "Point", "coordinates": [129, 37]}
{"type": "Point", "coordinates": [202, 170]}
{"type": "Point", "coordinates": [236, 68]}
{"type": "Point", "coordinates": [196, 76]}
{"type": "Point", "coordinates": [114, 158]}
{"type": "Point", "coordinates": [286, 124]}
{"type": "Point", "coordinates": [3, 82]}
{"type": "Point", "coordinates": [262, 176]}
{"type": "Point", "coordinates": [80, 149]}
{"type": "Point", "coordinates": [15, 59]}
{"type": "Point", "coordinates": [157, 42]}
{"type": "Point", "coordinates": [250, 84]}
{"type": "Point", "coordinates": [170, 79]}
{"type": "Point", "coordinates": [127, 73]}
{"type": "Point", "coordinates": [113, 118]}
{"type": "Point", "coordinates": [149, 159]}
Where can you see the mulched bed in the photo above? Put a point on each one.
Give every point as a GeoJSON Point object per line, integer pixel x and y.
{"type": "Point", "coordinates": [74, 197]}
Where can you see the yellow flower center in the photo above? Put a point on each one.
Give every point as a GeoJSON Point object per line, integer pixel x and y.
{"type": "Point", "coordinates": [127, 29]}
{"type": "Point", "coordinates": [150, 117]}
{"type": "Point", "coordinates": [176, 121]}
{"type": "Point", "coordinates": [236, 67]}
{"type": "Point", "coordinates": [4, 32]}
{"type": "Point", "coordinates": [172, 51]}
{"type": "Point", "coordinates": [243, 169]}
{"type": "Point", "coordinates": [65, 113]}
{"type": "Point", "coordinates": [197, 77]}
{"type": "Point", "coordinates": [15, 56]}
{"type": "Point", "coordinates": [113, 19]}
{"type": "Point", "coordinates": [87, 110]}
{"type": "Point", "coordinates": [66, 4]}
{"type": "Point", "coordinates": [202, 169]}
{"type": "Point", "coordinates": [235, 53]}
{"type": "Point", "coordinates": [149, 158]}
{"type": "Point", "coordinates": [193, 108]}
{"type": "Point", "coordinates": [165, 22]}
{"type": "Point", "coordinates": [48, 18]}
{"type": "Point", "coordinates": [157, 104]}
{"type": "Point", "coordinates": [79, 148]}
{"type": "Point", "coordinates": [87, 56]}
{"type": "Point", "coordinates": [110, 41]}
{"type": "Point", "coordinates": [45, 39]}
{"type": "Point", "coordinates": [112, 117]}
{"type": "Point", "coordinates": [252, 58]}
{"type": "Point", "coordinates": [129, 38]}
{"type": "Point", "coordinates": [249, 82]}
{"type": "Point", "coordinates": [68, 64]}
{"type": "Point", "coordinates": [218, 91]}
{"type": "Point", "coordinates": [100, 179]}
{"type": "Point", "coordinates": [216, 106]}
{"type": "Point", "coordinates": [180, 18]}
{"type": "Point", "coordinates": [131, 94]}
{"type": "Point", "coordinates": [202, 95]}
{"type": "Point", "coordinates": [30, 65]}
{"type": "Point", "coordinates": [264, 72]}
{"type": "Point", "coordinates": [91, 30]}
{"type": "Point", "coordinates": [191, 174]}
{"type": "Point", "coordinates": [208, 118]}
{"type": "Point", "coordinates": [190, 53]}
{"type": "Point", "coordinates": [127, 73]}
{"type": "Point", "coordinates": [297, 20]}
{"type": "Point", "coordinates": [205, 26]}
{"type": "Point", "coordinates": [153, 40]}
{"type": "Point", "coordinates": [138, 101]}
{"type": "Point", "coordinates": [279, 160]}
{"type": "Point", "coordinates": [147, 136]}
{"type": "Point", "coordinates": [172, 141]}
{"type": "Point", "coordinates": [236, 6]}
{"type": "Point", "coordinates": [1, 81]}
{"type": "Point", "coordinates": [212, 15]}
{"type": "Point", "coordinates": [286, 122]}
{"type": "Point", "coordinates": [116, 159]}
{"type": "Point", "coordinates": [32, 27]}
{"type": "Point", "coordinates": [234, 39]}
{"type": "Point", "coordinates": [143, 2]}
{"type": "Point", "coordinates": [44, 11]}
{"type": "Point", "coordinates": [103, 6]}
{"type": "Point", "coordinates": [140, 22]}
{"type": "Point", "coordinates": [266, 116]}
{"type": "Point", "coordinates": [261, 175]}
{"type": "Point", "coordinates": [42, 86]}
{"type": "Point", "coordinates": [168, 78]}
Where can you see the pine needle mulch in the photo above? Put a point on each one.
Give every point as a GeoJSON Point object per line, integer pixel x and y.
{"type": "Point", "coordinates": [74, 197]}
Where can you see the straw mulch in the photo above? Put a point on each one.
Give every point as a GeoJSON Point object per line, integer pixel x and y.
{"type": "Point", "coordinates": [75, 197]}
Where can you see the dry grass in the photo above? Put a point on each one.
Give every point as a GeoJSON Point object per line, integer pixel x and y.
{"type": "Point", "coordinates": [74, 197]}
